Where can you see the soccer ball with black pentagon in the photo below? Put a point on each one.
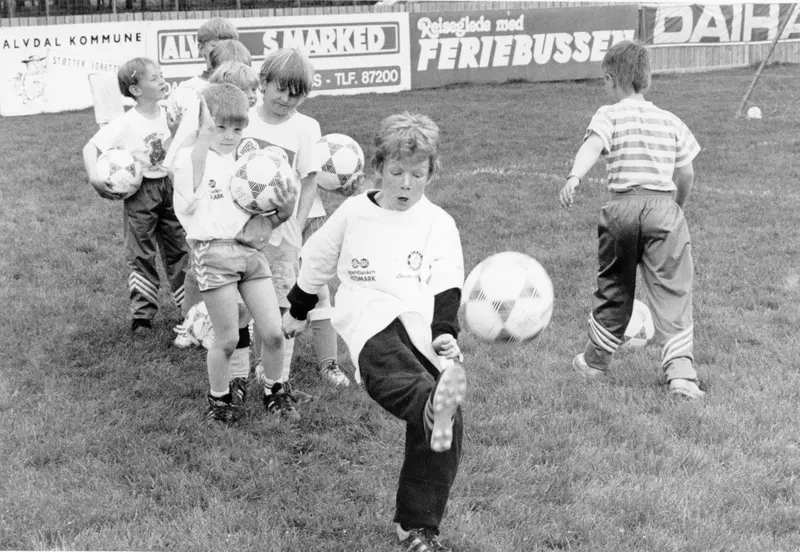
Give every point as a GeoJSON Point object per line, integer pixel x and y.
{"type": "Point", "coordinates": [256, 177]}
{"type": "Point", "coordinates": [121, 171]}
{"type": "Point", "coordinates": [507, 298]}
{"type": "Point", "coordinates": [339, 157]}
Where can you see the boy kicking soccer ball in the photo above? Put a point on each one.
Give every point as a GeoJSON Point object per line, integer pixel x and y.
{"type": "Point", "coordinates": [649, 153]}
{"type": "Point", "coordinates": [398, 257]}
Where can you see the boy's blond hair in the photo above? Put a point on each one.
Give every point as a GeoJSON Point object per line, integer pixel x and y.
{"type": "Point", "coordinates": [289, 68]}
{"type": "Point", "coordinates": [229, 50]}
{"type": "Point", "coordinates": [407, 135]}
{"type": "Point", "coordinates": [131, 72]}
{"type": "Point", "coordinates": [238, 74]}
{"type": "Point", "coordinates": [227, 105]}
{"type": "Point", "coordinates": [628, 63]}
{"type": "Point", "coordinates": [216, 28]}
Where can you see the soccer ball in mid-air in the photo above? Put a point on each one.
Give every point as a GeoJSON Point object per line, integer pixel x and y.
{"type": "Point", "coordinates": [338, 157]}
{"type": "Point", "coordinates": [507, 298]}
{"type": "Point", "coordinates": [640, 329]}
{"type": "Point", "coordinates": [121, 171]}
{"type": "Point", "coordinates": [255, 179]}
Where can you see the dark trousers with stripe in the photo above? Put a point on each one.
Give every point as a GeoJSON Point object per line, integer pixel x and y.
{"type": "Point", "coordinates": [646, 230]}
{"type": "Point", "coordinates": [400, 379]}
{"type": "Point", "coordinates": [150, 226]}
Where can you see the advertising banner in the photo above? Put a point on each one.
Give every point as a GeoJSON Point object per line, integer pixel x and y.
{"type": "Point", "coordinates": [352, 54]}
{"type": "Point", "coordinates": [705, 23]}
{"type": "Point", "coordinates": [501, 45]}
{"type": "Point", "coordinates": [45, 69]}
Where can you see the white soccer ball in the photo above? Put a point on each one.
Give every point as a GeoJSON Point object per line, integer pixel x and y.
{"type": "Point", "coordinates": [640, 329]}
{"type": "Point", "coordinates": [754, 112]}
{"type": "Point", "coordinates": [338, 157]}
{"type": "Point", "coordinates": [255, 179]}
{"type": "Point", "coordinates": [507, 298]}
{"type": "Point", "coordinates": [198, 325]}
{"type": "Point", "coordinates": [121, 171]}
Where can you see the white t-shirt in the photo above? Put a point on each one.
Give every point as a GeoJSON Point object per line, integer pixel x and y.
{"type": "Point", "coordinates": [146, 139]}
{"type": "Point", "coordinates": [390, 264]}
{"type": "Point", "coordinates": [208, 213]}
{"type": "Point", "coordinates": [297, 137]}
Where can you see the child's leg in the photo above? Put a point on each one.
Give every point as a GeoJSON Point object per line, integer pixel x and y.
{"type": "Point", "coordinates": [140, 219]}
{"type": "Point", "coordinates": [172, 242]}
{"type": "Point", "coordinates": [221, 305]}
{"type": "Point", "coordinates": [259, 296]}
{"type": "Point", "coordinates": [402, 381]}
{"type": "Point", "coordinates": [612, 303]}
{"type": "Point", "coordinates": [325, 341]}
{"type": "Point", "coordinates": [667, 274]}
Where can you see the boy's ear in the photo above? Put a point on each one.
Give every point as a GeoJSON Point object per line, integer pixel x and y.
{"type": "Point", "coordinates": [135, 90]}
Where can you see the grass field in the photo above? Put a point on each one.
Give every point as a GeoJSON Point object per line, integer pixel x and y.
{"type": "Point", "coordinates": [103, 447]}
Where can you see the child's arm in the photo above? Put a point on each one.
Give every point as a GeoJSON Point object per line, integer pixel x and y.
{"type": "Point", "coordinates": [201, 144]}
{"type": "Point", "coordinates": [587, 156]}
{"type": "Point", "coordinates": [684, 180]}
{"type": "Point", "coordinates": [90, 155]}
{"type": "Point", "coordinates": [445, 327]}
{"type": "Point", "coordinates": [308, 191]}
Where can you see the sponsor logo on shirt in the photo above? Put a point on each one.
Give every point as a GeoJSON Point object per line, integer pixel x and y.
{"type": "Point", "coordinates": [415, 260]}
{"type": "Point", "coordinates": [360, 272]}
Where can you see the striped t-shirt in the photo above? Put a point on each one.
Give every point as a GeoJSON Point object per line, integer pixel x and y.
{"type": "Point", "coordinates": [643, 144]}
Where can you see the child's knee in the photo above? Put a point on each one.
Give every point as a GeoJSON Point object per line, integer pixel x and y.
{"type": "Point", "coordinates": [271, 339]}
{"type": "Point", "coordinates": [227, 342]}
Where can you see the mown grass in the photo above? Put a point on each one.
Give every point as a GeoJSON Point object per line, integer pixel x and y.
{"type": "Point", "coordinates": [102, 441]}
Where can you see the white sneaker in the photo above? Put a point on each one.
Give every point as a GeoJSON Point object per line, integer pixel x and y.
{"type": "Point", "coordinates": [334, 375]}
{"type": "Point", "coordinates": [687, 388]}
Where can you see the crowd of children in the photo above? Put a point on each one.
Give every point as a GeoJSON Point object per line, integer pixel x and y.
{"type": "Point", "coordinates": [268, 275]}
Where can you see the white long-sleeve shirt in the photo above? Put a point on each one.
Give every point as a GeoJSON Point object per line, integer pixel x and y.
{"type": "Point", "coordinates": [208, 213]}
{"type": "Point", "coordinates": [390, 264]}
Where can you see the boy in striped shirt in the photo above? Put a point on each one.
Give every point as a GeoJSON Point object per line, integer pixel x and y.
{"type": "Point", "coordinates": [649, 154]}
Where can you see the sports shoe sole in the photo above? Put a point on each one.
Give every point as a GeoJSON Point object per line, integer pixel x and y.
{"type": "Point", "coordinates": [449, 393]}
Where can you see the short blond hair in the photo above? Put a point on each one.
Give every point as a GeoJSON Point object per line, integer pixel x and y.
{"type": "Point", "coordinates": [236, 73]}
{"type": "Point", "coordinates": [131, 72]}
{"type": "Point", "coordinates": [216, 28]}
{"type": "Point", "coordinates": [290, 68]}
{"type": "Point", "coordinates": [628, 62]}
{"type": "Point", "coordinates": [229, 50]}
{"type": "Point", "coordinates": [407, 135]}
{"type": "Point", "coordinates": [227, 105]}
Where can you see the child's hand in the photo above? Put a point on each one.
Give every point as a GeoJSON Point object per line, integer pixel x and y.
{"type": "Point", "coordinates": [291, 326]}
{"type": "Point", "coordinates": [446, 346]}
{"type": "Point", "coordinates": [285, 199]}
{"type": "Point", "coordinates": [103, 189]}
{"type": "Point", "coordinates": [567, 195]}
{"type": "Point", "coordinates": [206, 124]}
{"type": "Point", "coordinates": [353, 185]}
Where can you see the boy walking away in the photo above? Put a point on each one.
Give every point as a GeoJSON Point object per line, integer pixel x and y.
{"type": "Point", "coordinates": [149, 219]}
{"type": "Point", "coordinates": [227, 249]}
{"type": "Point", "coordinates": [398, 257]}
{"type": "Point", "coordinates": [649, 154]}
{"type": "Point", "coordinates": [287, 76]}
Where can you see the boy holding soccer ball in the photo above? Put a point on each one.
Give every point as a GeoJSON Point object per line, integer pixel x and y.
{"type": "Point", "coordinates": [649, 154]}
{"type": "Point", "coordinates": [149, 217]}
{"type": "Point", "coordinates": [227, 248]}
{"type": "Point", "coordinates": [287, 77]}
{"type": "Point", "coordinates": [398, 257]}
